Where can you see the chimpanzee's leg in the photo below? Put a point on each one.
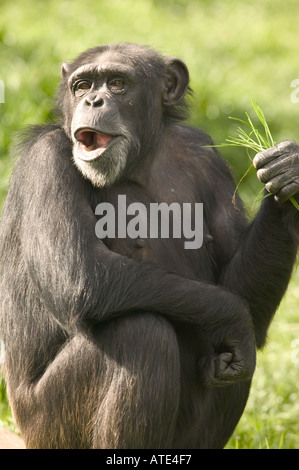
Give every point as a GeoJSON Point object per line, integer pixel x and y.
{"type": "Point", "coordinates": [116, 387]}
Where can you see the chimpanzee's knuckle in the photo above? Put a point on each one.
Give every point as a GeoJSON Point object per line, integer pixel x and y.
{"type": "Point", "coordinates": [262, 175]}
{"type": "Point", "coordinates": [271, 187]}
{"type": "Point", "coordinates": [294, 160]}
{"type": "Point", "coordinates": [257, 161]}
{"type": "Point", "coordinates": [291, 145]}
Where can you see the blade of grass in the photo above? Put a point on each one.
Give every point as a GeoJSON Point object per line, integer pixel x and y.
{"type": "Point", "coordinates": [294, 202]}
{"type": "Point", "coordinates": [246, 140]}
{"type": "Point", "coordinates": [237, 187]}
{"type": "Point", "coordinates": [262, 119]}
{"type": "Point", "coordinates": [256, 133]}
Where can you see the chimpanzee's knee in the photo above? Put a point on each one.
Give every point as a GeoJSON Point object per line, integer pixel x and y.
{"type": "Point", "coordinates": [142, 384]}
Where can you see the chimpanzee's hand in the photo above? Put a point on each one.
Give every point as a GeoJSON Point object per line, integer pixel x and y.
{"type": "Point", "coordinates": [278, 168]}
{"type": "Point", "coordinates": [234, 356]}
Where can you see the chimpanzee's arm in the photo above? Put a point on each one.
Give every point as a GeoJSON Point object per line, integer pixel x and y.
{"type": "Point", "coordinates": [262, 265]}
{"type": "Point", "coordinates": [264, 255]}
{"type": "Point", "coordinates": [77, 276]}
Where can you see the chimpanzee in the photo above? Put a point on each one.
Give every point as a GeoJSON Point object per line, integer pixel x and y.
{"type": "Point", "coordinates": [124, 342]}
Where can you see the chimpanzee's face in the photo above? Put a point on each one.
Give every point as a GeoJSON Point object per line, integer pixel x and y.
{"type": "Point", "coordinates": [113, 108]}
{"type": "Point", "coordinates": [105, 124]}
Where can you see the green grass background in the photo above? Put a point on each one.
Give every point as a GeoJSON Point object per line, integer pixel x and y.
{"type": "Point", "coordinates": [235, 50]}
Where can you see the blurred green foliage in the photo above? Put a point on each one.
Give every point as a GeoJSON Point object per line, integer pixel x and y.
{"type": "Point", "coordinates": [235, 50]}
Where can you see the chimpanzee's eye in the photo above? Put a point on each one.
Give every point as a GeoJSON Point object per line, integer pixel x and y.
{"type": "Point", "coordinates": [81, 87]}
{"type": "Point", "coordinates": [116, 85]}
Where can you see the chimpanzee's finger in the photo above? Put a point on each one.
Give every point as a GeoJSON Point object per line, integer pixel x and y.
{"type": "Point", "coordinates": [288, 191]}
{"type": "Point", "coordinates": [263, 158]}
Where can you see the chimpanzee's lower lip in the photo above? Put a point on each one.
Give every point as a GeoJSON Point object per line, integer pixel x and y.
{"type": "Point", "coordinates": [90, 155]}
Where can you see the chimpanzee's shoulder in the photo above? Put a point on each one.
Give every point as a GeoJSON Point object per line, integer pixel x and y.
{"type": "Point", "coordinates": [199, 147]}
{"type": "Point", "coordinates": [195, 135]}
{"type": "Point", "coordinates": [36, 143]}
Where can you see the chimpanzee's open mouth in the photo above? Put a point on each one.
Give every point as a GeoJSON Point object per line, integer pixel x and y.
{"type": "Point", "coordinates": [92, 143]}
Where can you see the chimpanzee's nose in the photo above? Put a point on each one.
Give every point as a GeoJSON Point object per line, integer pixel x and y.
{"type": "Point", "coordinates": [94, 99]}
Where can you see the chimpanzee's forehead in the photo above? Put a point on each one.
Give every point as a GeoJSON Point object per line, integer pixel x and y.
{"type": "Point", "coordinates": [125, 60]}
{"type": "Point", "coordinates": [107, 58]}
{"type": "Point", "coordinates": [112, 56]}
{"type": "Point", "coordinates": [144, 61]}
{"type": "Point", "coordinates": [104, 62]}
{"type": "Point", "coordinates": [121, 60]}
{"type": "Point", "coordinates": [103, 67]}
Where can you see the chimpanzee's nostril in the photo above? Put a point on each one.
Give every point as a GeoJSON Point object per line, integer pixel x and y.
{"type": "Point", "coordinates": [99, 102]}
{"type": "Point", "coordinates": [94, 101]}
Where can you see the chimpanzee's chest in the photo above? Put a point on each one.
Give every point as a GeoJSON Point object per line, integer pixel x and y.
{"type": "Point", "coordinates": [171, 234]}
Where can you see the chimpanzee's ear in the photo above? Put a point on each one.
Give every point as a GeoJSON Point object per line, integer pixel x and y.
{"type": "Point", "coordinates": [176, 82]}
{"type": "Point", "coordinates": [64, 69]}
